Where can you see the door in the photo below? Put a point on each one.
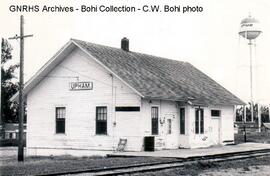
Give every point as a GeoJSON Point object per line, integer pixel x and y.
{"type": "Point", "coordinates": [215, 130]}
{"type": "Point", "coordinates": [170, 139]}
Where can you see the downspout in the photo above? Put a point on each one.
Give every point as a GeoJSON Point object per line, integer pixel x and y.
{"type": "Point", "coordinates": [113, 114]}
{"type": "Point", "coordinates": [114, 123]}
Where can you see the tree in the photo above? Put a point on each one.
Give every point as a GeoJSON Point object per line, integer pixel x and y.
{"type": "Point", "coordinates": [9, 86]}
{"type": "Point", "coordinates": [239, 114]}
{"type": "Point", "coordinates": [265, 114]}
{"type": "Point", "coordinates": [263, 109]}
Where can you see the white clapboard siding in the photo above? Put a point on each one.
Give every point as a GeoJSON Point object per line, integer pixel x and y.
{"type": "Point", "coordinates": [207, 139]}
{"type": "Point", "coordinates": [53, 91]}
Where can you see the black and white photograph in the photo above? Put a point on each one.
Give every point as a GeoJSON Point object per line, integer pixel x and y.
{"type": "Point", "coordinates": [143, 88]}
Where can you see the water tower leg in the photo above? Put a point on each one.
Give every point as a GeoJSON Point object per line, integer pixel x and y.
{"type": "Point", "coordinates": [268, 113]}
{"type": "Point", "coordinates": [234, 113]}
{"type": "Point", "coordinates": [259, 117]}
{"type": "Point", "coordinates": [245, 113]}
{"type": "Point", "coordinates": [251, 81]}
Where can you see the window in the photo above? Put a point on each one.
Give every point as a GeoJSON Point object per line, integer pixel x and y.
{"type": "Point", "coordinates": [101, 120]}
{"type": "Point", "coordinates": [199, 121]}
{"type": "Point", "coordinates": [182, 120]}
{"type": "Point", "coordinates": [60, 114]}
{"type": "Point", "coordinates": [169, 122]}
{"type": "Point", "coordinates": [154, 117]}
{"type": "Point", "coordinates": [127, 108]}
{"type": "Point", "coordinates": [215, 113]}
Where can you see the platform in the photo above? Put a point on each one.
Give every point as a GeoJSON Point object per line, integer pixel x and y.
{"type": "Point", "coordinates": [199, 152]}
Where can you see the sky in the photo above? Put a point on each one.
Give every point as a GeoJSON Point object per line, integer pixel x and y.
{"type": "Point", "coordinates": [209, 39]}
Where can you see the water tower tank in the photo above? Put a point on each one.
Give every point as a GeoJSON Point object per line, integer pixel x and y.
{"type": "Point", "coordinates": [249, 28]}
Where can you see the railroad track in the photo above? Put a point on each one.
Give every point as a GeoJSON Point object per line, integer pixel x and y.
{"type": "Point", "coordinates": [155, 166]}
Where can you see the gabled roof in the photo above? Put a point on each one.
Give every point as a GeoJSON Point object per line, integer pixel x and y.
{"type": "Point", "coordinates": [153, 77]}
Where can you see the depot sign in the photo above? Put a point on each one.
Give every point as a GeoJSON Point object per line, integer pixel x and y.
{"type": "Point", "coordinates": [81, 86]}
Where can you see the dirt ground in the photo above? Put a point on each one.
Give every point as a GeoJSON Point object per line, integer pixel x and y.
{"type": "Point", "coordinates": [252, 170]}
{"type": "Point", "coordinates": [38, 165]}
{"type": "Point", "coordinates": [253, 167]}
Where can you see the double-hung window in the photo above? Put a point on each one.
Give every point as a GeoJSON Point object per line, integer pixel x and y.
{"type": "Point", "coordinates": [60, 116]}
{"type": "Point", "coordinates": [182, 120]}
{"type": "Point", "coordinates": [154, 119]}
{"type": "Point", "coordinates": [199, 121]}
{"type": "Point", "coordinates": [101, 120]}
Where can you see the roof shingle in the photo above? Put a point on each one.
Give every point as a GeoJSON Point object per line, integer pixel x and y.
{"type": "Point", "coordinates": [160, 78]}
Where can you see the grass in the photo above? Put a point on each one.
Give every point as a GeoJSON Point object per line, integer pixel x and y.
{"type": "Point", "coordinates": [52, 164]}
{"type": "Point", "coordinates": [44, 165]}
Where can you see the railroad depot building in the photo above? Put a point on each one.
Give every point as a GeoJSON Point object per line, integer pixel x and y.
{"type": "Point", "coordinates": [89, 96]}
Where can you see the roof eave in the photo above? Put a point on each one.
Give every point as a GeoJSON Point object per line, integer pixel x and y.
{"type": "Point", "coordinates": [240, 102]}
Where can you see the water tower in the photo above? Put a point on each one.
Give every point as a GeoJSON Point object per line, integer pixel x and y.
{"type": "Point", "coordinates": [250, 30]}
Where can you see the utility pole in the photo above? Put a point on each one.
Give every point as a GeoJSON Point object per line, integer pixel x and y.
{"type": "Point", "coordinates": [21, 86]}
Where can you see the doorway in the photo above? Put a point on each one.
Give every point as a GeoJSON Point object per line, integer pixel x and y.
{"type": "Point", "coordinates": [216, 130]}
{"type": "Point", "coordinates": [170, 131]}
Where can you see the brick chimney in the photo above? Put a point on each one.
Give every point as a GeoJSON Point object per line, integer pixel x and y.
{"type": "Point", "coordinates": [125, 44]}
